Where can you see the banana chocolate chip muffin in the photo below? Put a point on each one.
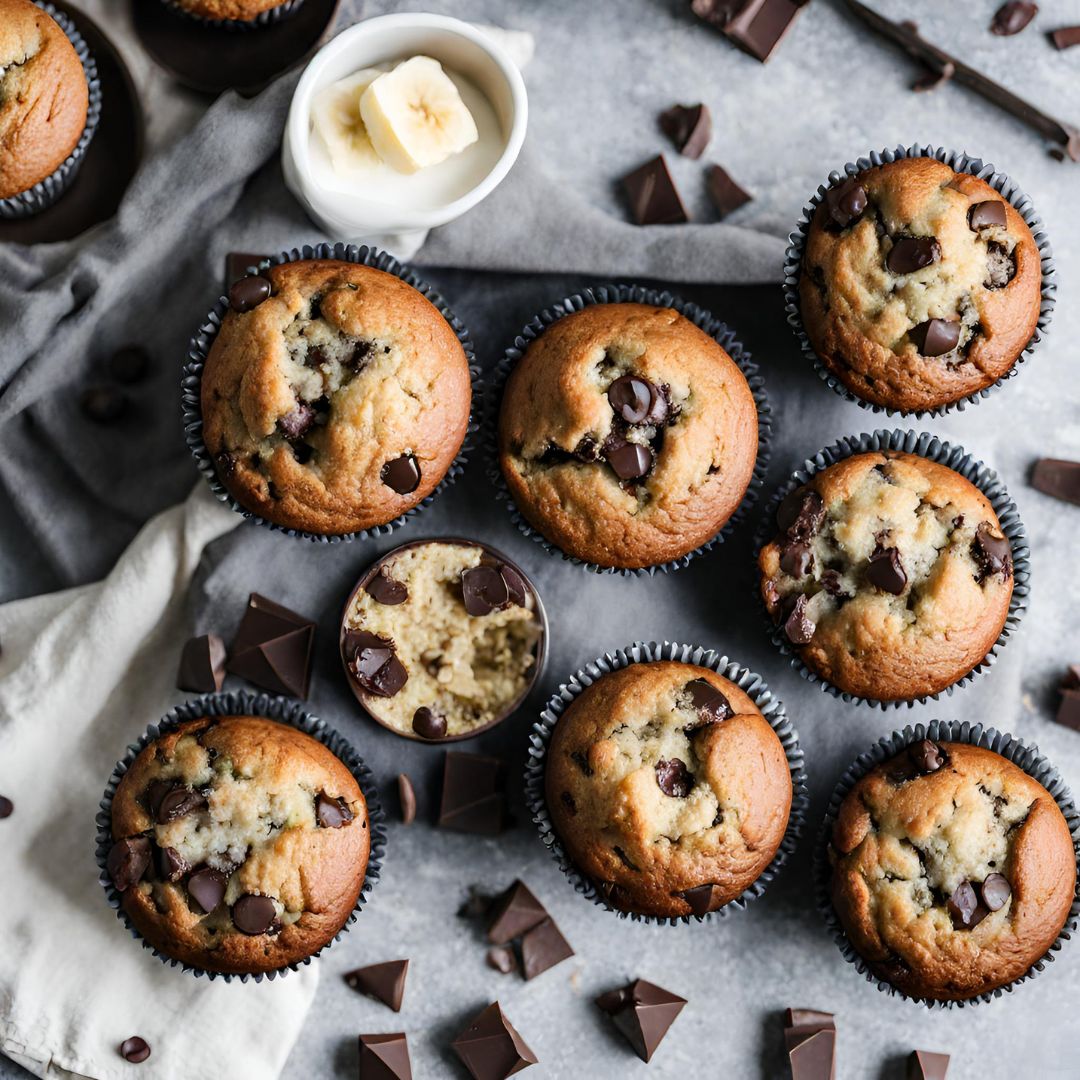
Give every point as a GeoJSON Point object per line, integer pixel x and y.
{"type": "Point", "coordinates": [920, 285]}
{"type": "Point", "coordinates": [231, 10]}
{"type": "Point", "coordinates": [953, 871]}
{"type": "Point", "coordinates": [890, 575]}
{"type": "Point", "coordinates": [44, 96]}
{"type": "Point", "coordinates": [668, 788]}
{"type": "Point", "coordinates": [240, 844]}
{"type": "Point", "coordinates": [335, 396]}
{"type": "Point", "coordinates": [442, 639]}
{"type": "Point", "coordinates": [627, 435]}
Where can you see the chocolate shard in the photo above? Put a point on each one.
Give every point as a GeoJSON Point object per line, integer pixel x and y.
{"type": "Point", "coordinates": [384, 589]}
{"type": "Point", "coordinates": [689, 127]}
{"type": "Point", "coordinates": [272, 648]}
{"type": "Point", "coordinates": [373, 662]}
{"type": "Point", "coordinates": [810, 1039]}
{"type": "Point", "coordinates": [755, 26]}
{"type": "Point", "coordinates": [1068, 713]}
{"type": "Point", "coordinates": [1054, 476]}
{"type": "Point", "coordinates": [923, 1065]}
{"type": "Point", "coordinates": [490, 1047]}
{"type": "Point", "coordinates": [127, 861]}
{"type": "Point", "coordinates": [516, 911]}
{"type": "Point", "coordinates": [1065, 37]}
{"type": "Point", "coordinates": [407, 798]}
{"type": "Point", "coordinates": [385, 1057]}
{"type": "Point", "coordinates": [652, 195]}
{"type": "Point", "coordinates": [473, 798]}
{"type": "Point", "coordinates": [402, 474]}
{"type": "Point", "coordinates": [385, 982]}
{"type": "Point", "coordinates": [543, 947]}
{"type": "Point", "coordinates": [699, 899]}
{"type": "Point", "coordinates": [911, 253]}
{"type": "Point", "coordinates": [202, 665]}
{"type": "Point", "coordinates": [643, 1012]}
{"type": "Point", "coordinates": [725, 194]}
{"type": "Point", "coordinates": [709, 703]}
{"type": "Point", "coordinates": [1013, 17]}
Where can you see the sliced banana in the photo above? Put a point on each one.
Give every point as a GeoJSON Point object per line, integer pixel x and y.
{"type": "Point", "coordinates": [335, 116]}
{"type": "Point", "coordinates": [415, 116]}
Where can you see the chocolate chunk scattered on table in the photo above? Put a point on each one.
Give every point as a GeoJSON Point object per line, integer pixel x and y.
{"type": "Point", "coordinates": [1054, 476]}
{"type": "Point", "coordinates": [272, 648]}
{"type": "Point", "coordinates": [407, 798]}
{"type": "Point", "coordinates": [725, 194]}
{"type": "Point", "coordinates": [1068, 713]}
{"type": "Point", "coordinates": [810, 1039]}
{"type": "Point", "coordinates": [202, 665]}
{"type": "Point", "coordinates": [473, 795]}
{"type": "Point", "coordinates": [516, 911]}
{"type": "Point", "coordinates": [689, 127]}
{"type": "Point", "coordinates": [543, 947]}
{"type": "Point", "coordinates": [385, 982]}
{"type": "Point", "coordinates": [924, 1065]}
{"type": "Point", "coordinates": [1013, 17]}
{"type": "Point", "coordinates": [755, 26]}
{"type": "Point", "coordinates": [7, 807]}
{"type": "Point", "coordinates": [1065, 37]}
{"type": "Point", "coordinates": [136, 1050]}
{"type": "Point", "coordinates": [652, 195]}
{"type": "Point", "coordinates": [490, 1047]}
{"type": "Point", "coordinates": [385, 1057]}
{"type": "Point", "coordinates": [643, 1012]}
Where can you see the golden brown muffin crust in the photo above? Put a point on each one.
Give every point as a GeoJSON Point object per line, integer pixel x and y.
{"type": "Point", "coordinates": [556, 419]}
{"type": "Point", "coordinates": [243, 10]}
{"type": "Point", "coordinates": [903, 842]}
{"type": "Point", "coordinates": [642, 846]}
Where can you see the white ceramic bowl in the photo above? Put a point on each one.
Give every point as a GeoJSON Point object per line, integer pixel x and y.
{"type": "Point", "coordinates": [461, 48]}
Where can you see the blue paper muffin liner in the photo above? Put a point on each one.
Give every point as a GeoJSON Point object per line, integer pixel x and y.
{"type": "Point", "coordinates": [643, 653]}
{"type": "Point", "coordinates": [958, 162]}
{"type": "Point", "coordinates": [1025, 757]}
{"type": "Point", "coordinates": [199, 349]}
{"type": "Point", "coordinates": [933, 449]}
{"type": "Point", "coordinates": [244, 703]}
{"type": "Point", "coordinates": [621, 294]}
{"type": "Point", "coordinates": [45, 192]}
{"type": "Point", "coordinates": [264, 18]}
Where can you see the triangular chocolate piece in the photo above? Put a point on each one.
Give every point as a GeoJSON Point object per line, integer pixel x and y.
{"type": "Point", "coordinates": [202, 665]}
{"type": "Point", "coordinates": [282, 664]}
{"type": "Point", "coordinates": [698, 899]}
{"type": "Point", "coordinates": [490, 1048]}
{"type": "Point", "coordinates": [385, 1057]}
{"type": "Point", "coordinates": [543, 947]}
{"type": "Point", "coordinates": [643, 1012]}
{"type": "Point", "coordinates": [516, 911]}
{"type": "Point", "coordinates": [386, 981]}
{"type": "Point", "coordinates": [263, 621]}
{"type": "Point", "coordinates": [472, 798]}
{"type": "Point", "coordinates": [810, 1038]}
{"type": "Point", "coordinates": [652, 195]}
{"type": "Point", "coordinates": [923, 1065]}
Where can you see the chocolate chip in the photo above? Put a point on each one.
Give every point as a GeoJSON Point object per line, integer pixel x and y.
{"type": "Point", "coordinates": [568, 802]}
{"type": "Point", "coordinates": [103, 404]}
{"type": "Point", "coordinates": [1057, 477]}
{"type": "Point", "coordinates": [800, 514]}
{"type": "Point", "coordinates": [253, 914]}
{"type": "Point", "coordinates": [689, 127]}
{"type": "Point", "coordinates": [983, 215]}
{"type": "Point", "coordinates": [830, 582]}
{"type": "Point", "coordinates": [383, 589]}
{"type": "Point", "coordinates": [331, 813]}
{"type": "Point", "coordinates": [643, 1013]}
{"type": "Point", "coordinates": [965, 908]}
{"type": "Point", "coordinates": [926, 756]}
{"type": "Point", "coordinates": [725, 195]}
{"type": "Point", "coordinates": [630, 461]}
{"type": "Point", "coordinates": [375, 663]}
{"type": "Point", "coordinates": [515, 912]}
{"type": "Point", "coordinates": [428, 724]}
{"type": "Point", "coordinates": [637, 400]}
{"type": "Point", "coordinates": [797, 560]}
{"type": "Point", "coordinates": [798, 628]}
{"type": "Point", "coordinates": [6, 807]}
{"type": "Point", "coordinates": [248, 293]}
{"type": "Point", "coordinates": [359, 355]}
{"type": "Point", "coordinates": [127, 861]}
{"type": "Point", "coordinates": [542, 948]}
{"type": "Point", "coordinates": [402, 474]}
{"type": "Point", "coordinates": [296, 424]}
{"type": "Point", "coordinates": [206, 887]}
{"type": "Point", "coordinates": [407, 799]}
{"type": "Point", "coordinates": [991, 552]}
{"type": "Point", "coordinates": [502, 959]}
{"type": "Point", "coordinates": [886, 571]}
{"type": "Point", "coordinates": [516, 587]}
{"type": "Point", "coordinates": [178, 802]}
{"type": "Point", "coordinates": [1012, 17]}
{"type": "Point", "coordinates": [491, 1048]}
{"type": "Point", "coordinates": [128, 364]}
{"type": "Point", "coordinates": [845, 203]}
{"type": "Point", "coordinates": [699, 899]}
{"type": "Point", "coordinates": [226, 464]}
{"type": "Point", "coordinates": [995, 891]}
{"type": "Point", "coordinates": [911, 253]}
{"type": "Point", "coordinates": [674, 778]}
{"type": "Point", "coordinates": [202, 665]}
{"type": "Point", "coordinates": [483, 590]}
{"type": "Point", "coordinates": [709, 703]}
{"type": "Point", "coordinates": [171, 865]}
{"type": "Point", "coordinates": [135, 1050]}
{"type": "Point", "coordinates": [652, 195]}
{"type": "Point", "coordinates": [384, 982]}
{"type": "Point", "coordinates": [935, 337]}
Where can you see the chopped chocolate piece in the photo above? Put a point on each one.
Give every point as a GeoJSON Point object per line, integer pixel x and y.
{"type": "Point", "coordinates": [374, 663]}
{"type": "Point", "coordinates": [926, 756]}
{"type": "Point", "coordinates": [407, 799]}
{"type": "Point", "coordinates": [630, 461]}
{"type": "Point", "coordinates": [136, 1050]}
{"type": "Point", "coordinates": [383, 589]}
{"type": "Point", "coordinates": [543, 947]}
{"type": "Point", "coordinates": [171, 865]}
{"type": "Point", "coordinates": [796, 559]}
{"type": "Point", "coordinates": [935, 75]}
{"type": "Point", "coordinates": [472, 795]}
{"type": "Point", "coordinates": [402, 474]}
{"type": "Point", "coordinates": [965, 908]}
{"type": "Point", "coordinates": [995, 891]}
{"type": "Point", "coordinates": [202, 665]}
{"type": "Point", "coordinates": [1068, 713]}
{"type": "Point", "coordinates": [206, 887]}
{"type": "Point", "coordinates": [983, 215]}
{"type": "Point", "coordinates": [7, 807]}
{"type": "Point", "coordinates": [331, 813]}
{"type": "Point", "coordinates": [429, 724]}
{"type": "Point", "coordinates": [798, 628]}
{"type": "Point", "coordinates": [1071, 680]}
{"type": "Point", "coordinates": [935, 337]}
{"type": "Point", "coordinates": [709, 703]}
{"type": "Point", "coordinates": [502, 959]}
{"type": "Point", "coordinates": [830, 581]}
{"type": "Point", "coordinates": [483, 590]}
{"type": "Point", "coordinates": [103, 404]}
{"type": "Point", "coordinates": [1059, 478]}
{"type": "Point", "coordinates": [653, 197]}
{"type": "Point", "coordinates": [725, 195]}
{"type": "Point", "coordinates": [699, 899]}
{"type": "Point", "coordinates": [272, 648]}
{"type": "Point", "coordinates": [800, 514]}
{"type": "Point", "coordinates": [637, 401]}
{"type": "Point", "coordinates": [127, 861]}
{"type": "Point", "coordinates": [923, 1065]}
{"type": "Point", "coordinates": [845, 203]}
{"type": "Point", "coordinates": [515, 912]}
{"type": "Point", "coordinates": [385, 1057]}
{"type": "Point", "coordinates": [128, 364]}
{"type": "Point", "coordinates": [298, 422]}
{"type": "Point", "coordinates": [248, 293]}
{"type": "Point", "coordinates": [253, 914]}
{"type": "Point", "coordinates": [178, 802]}
{"type": "Point", "coordinates": [516, 588]}
{"type": "Point", "coordinates": [384, 982]}
{"type": "Point", "coordinates": [674, 778]}
{"type": "Point", "coordinates": [643, 1012]}
{"type": "Point", "coordinates": [886, 571]}
{"type": "Point", "coordinates": [689, 127]}
{"type": "Point", "coordinates": [810, 1039]}
{"type": "Point", "coordinates": [755, 26]}
{"type": "Point", "coordinates": [991, 552]}
{"type": "Point", "coordinates": [1012, 17]}
{"type": "Point", "coordinates": [1065, 37]}
{"type": "Point", "coordinates": [237, 264]}
{"type": "Point", "coordinates": [911, 253]}
{"type": "Point", "coordinates": [490, 1048]}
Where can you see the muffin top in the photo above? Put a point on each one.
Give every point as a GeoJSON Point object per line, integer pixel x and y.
{"type": "Point", "coordinates": [243, 10]}
{"type": "Point", "coordinates": [921, 285]}
{"type": "Point", "coordinates": [336, 399]}
{"type": "Point", "coordinates": [43, 96]}
{"type": "Point", "coordinates": [668, 788]}
{"type": "Point", "coordinates": [890, 575]}
{"type": "Point", "coordinates": [627, 435]}
{"type": "Point", "coordinates": [953, 870]}
{"type": "Point", "coordinates": [241, 844]}
{"type": "Point", "coordinates": [441, 640]}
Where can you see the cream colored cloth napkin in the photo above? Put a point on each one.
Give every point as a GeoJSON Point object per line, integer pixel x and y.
{"type": "Point", "coordinates": [82, 673]}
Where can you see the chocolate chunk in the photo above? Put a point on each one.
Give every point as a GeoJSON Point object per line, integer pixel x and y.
{"type": "Point", "coordinates": [502, 959]}
{"type": "Point", "coordinates": [358, 358]}
{"type": "Point", "coordinates": [407, 799]}
{"type": "Point", "coordinates": [755, 26]}
{"type": "Point", "coordinates": [935, 337]}
{"type": "Point", "coordinates": [178, 802]}
{"type": "Point", "coordinates": [674, 778]}
{"type": "Point", "coordinates": [103, 404]}
{"type": "Point", "coordinates": [983, 215]}
{"type": "Point", "coordinates": [643, 1012]}
{"type": "Point", "coordinates": [653, 197]}
{"type": "Point", "coordinates": [490, 1048]}
{"type": "Point", "coordinates": [296, 424]}
{"type": "Point", "coordinates": [248, 293]}
{"type": "Point", "coordinates": [885, 570]}
{"type": "Point", "coordinates": [135, 1050]}
{"type": "Point", "coordinates": [798, 628]}
{"type": "Point", "coordinates": [331, 813]}
{"type": "Point", "coordinates": [995, 891]}
{"type": "Point", "coordinates": [637, 401]}
{"type": "Point", "coordinates": [385, 982]}
{"type": "Point", "coordinates": [543, 947]}
{"type": "Point", "coordinates": [127, 861]}
{"type": "Point", "coordinates": [402, 474]}
{"type": "Point", "coordinates": [630, 461]}
{"type": "Point", "coordinates": [1071, 680]}
{"type": "Point", "coordinates": [845, 203]}
{"type": "Point", "coordinates": [689, 127]}
{"type": "Point", "coordinates": [926, 756]}
{"type": "Point", "coordinates": [797, 560]}
{"type": "Point", "coordinates": [991, 552]}
{"type": "Point", "coordinates": [923, 1065]}
{"type": "Point", "coordinates": [1059, 478]}
{"type": "Point", "coordinates": [1012, 17]}
{"type": "Point", "coordinates": [253, 914]}
{"type": "Point", "coordinates": [516, 587]}
{"type": "Point", "coordinates": [483, 590]}
{"type": "Point", "coordinates": [725, 195]}
{"type": "Point", "coordinates": [473, 799]}
{"type": "Point", "coordinates": [699, 899]}
{"type": "Point", "coordinates": [202, 665]}
{"type": "Point", "coordinates": [800, 514]}
{"type": "Point", "coordinates": [515, 912]}
{"type": "Point", "coordinates": [810, 1040]}
{"type": "Point", "coordinates": [1065, 37]}
{"type": "Point", "coordinates": [206, 887]}
{"type": "Point", "coordinates": [171, 865]}
{"type": "Point", "coordinates": [128, 364]}
{"type": "Point", "coordinates": [7, 807]}
{"type": "Point", "coordinates": [272, 648]}
{"type": "Point", "coordinates": [911, 253]}
{"type": "Point", "coordinates": [965, 908]}
{"type": "Point", "coordinates": [385, 1057]}
{"type": "Point", "coordinates": [830, 582]}
{"type": "Point", "coordinates": [428, 724]}
{"type": "Point", "coordinates": [374, 663]}
{"type": "Point", "coordinates": [383, 589]}
{"type": "Point", "coordinates": [1068, 713]}
{"type": "Point", "coordinates": [709, 703]}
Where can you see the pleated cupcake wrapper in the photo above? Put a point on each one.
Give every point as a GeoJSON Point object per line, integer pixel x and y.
{"type": "Point", "coordinates": [1025, 757]}
{"type": "Point", "coordinates": [933, 449]}
{"type": "Point", "coordinates": [199, 349]}
{"type": "Point", "coordinates": [244, 703]}
{"type": "Point", "coordinates": [958, 162]}
{"type": "Point", "coordinates": [264, 18]}
{"type": "Point", "coordinates": [642, 653]}
{"type": "Point", "coordinates": [622, 294]}
{"type": "Point", "coordinates": [45, 192]}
